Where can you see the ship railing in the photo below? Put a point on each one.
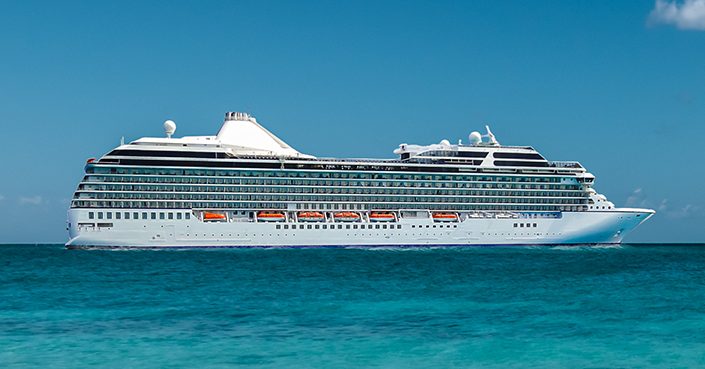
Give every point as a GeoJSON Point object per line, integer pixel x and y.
{"type": "Point", "coordinates": [565, 164]}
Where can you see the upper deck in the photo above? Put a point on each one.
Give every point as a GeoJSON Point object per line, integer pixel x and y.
{"type": "Point", "coordinates": [241, 141]}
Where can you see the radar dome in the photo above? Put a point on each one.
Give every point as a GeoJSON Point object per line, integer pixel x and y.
{"type": "Point", "coordinates": [445, 143]}
{"type": "Point", "coordinates": [475, 138]}
{"type": "Point", "coordinates": [169, 128]}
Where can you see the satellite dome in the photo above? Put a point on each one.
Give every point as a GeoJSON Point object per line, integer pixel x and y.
{"type": "Point", "coordinates": [169, 128]}
{"type": "Point", "coordinates": [475, 138]}
{"type": "Point", "coordinates": [445, 143]}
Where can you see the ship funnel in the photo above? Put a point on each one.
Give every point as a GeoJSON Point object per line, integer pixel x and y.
{"type": "Point", "coordinates": [233, 115]}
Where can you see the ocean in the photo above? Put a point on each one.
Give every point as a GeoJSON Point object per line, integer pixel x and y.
{"type": "Point", "coordinates": [580, 307]}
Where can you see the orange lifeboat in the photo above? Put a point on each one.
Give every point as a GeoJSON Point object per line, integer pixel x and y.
{"type": "Point", "coordinates": [310, 216]}
{"type": "Point", "coordinates": [346, 216]}
{"type": "Point", "coordinates": [381, 217]}
{"type": "Point", "coordinates": [213, 216]}
{"type": "Point", "coordinates": [270, 217]}
{"type": "Point", "coordinates": [445, 217]}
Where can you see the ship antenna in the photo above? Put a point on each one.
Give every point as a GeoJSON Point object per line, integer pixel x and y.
{"type": "Point", "coordinates": [249, 110]}
{"type": "Point", "coordinates": [491, 137]}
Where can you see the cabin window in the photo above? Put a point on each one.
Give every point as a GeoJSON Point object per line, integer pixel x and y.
{"type": "Point", "coordinates": [279, 226]}
{"type": "Point", "coordinates": [178, 215]}
{"type": "Point", "coordinates": [91, 215]}
{"type": "Point", "coordinates": [118, 215]}
{"type": "Point", "coordinates": [144, 215]}
{"type": "Point", "coordinates": [100, 215]}
{"type": "Point", "coordinates": [127, 215]}
{"type": "Point", "coordinates": [187, 216]}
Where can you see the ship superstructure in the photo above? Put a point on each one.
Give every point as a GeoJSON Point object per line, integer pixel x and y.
{"type": "Point", "coordinates": [245, 187]}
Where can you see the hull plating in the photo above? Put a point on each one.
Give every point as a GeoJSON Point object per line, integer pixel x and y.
{"type": "Point", "coordinates": [608, 227]}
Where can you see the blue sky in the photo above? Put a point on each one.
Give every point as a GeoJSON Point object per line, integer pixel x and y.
{"type": "Point", "coordinates": [618, 86]}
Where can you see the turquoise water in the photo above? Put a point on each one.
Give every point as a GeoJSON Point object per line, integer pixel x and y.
{"type": "Point", "coordinates": [584, 307]}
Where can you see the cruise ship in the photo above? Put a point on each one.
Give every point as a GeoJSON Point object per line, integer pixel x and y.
{"type": "Point", "coordinates": [245, 187]}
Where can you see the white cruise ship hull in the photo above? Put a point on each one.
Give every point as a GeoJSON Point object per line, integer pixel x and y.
{"type": "Point", "coordinates": [570, 228]}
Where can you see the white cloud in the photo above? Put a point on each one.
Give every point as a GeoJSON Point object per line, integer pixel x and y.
{"type": "Point", "coordinates": [636, 199]}
{"type": "Point", "coordinates": [689, 15]}
{"type": "Point", "coordinates": [36, 200]}
{"type": "Point", "coordinates": [663, 206]}
{"type": "Point", "coordinates": [687, 211]}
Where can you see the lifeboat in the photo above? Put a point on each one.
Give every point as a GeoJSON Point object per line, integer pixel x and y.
{"type": "Point", "coordinates": [310, 216]}
{"type": "Point", "coordinates": [445, 217]}
{"type": "Point", "coordinates": [213, 216]}
{"type": "Point", "coordinates": [381, 217]}
{"type": "Point", "coordinates": [346, 217]}
{"type": "Point", "coordinates": [270, 217]}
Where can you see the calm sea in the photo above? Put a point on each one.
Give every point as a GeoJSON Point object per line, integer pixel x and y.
{"type": "Point", "coordinates": [584, 307]}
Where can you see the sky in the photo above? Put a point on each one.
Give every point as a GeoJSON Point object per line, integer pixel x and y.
{"type": "Point", "coordinates": [617, 85]}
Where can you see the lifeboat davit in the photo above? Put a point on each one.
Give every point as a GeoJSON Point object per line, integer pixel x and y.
{"type": "Point", "coordinates": [445, 217]}
{"type": "Point", "coordinates": [270, 217]}
{"type": "Point", "coordinates": [310, 216]}
{"type": "Point", "coordinates": [213, 216]}
{"type": "Point", "coordinates": [381, 217]}
{"type": "Point", "coordinates": [346, 217]}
